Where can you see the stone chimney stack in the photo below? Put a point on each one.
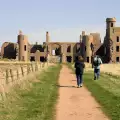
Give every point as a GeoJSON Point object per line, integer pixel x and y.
{"type": "Point", "coordinates": [47, 37]}
{"type": "Point", "coordinates": [80, 38]}
{"type": "Point", "coordinates": [20, 32]}
{"type": "Point", "coordinates": [83, 33]}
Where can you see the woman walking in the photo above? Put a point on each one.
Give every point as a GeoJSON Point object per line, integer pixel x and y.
{"type": "Point", "coordinates": [79, 70]}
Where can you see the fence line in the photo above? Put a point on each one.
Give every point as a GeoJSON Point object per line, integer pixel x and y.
{"type": "Point", "coordinates": [15, 72]}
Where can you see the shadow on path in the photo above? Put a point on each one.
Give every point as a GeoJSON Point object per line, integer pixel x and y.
{"type": "Point", "coordinates": [74, 80]}
{"type": "Point", "coordinates": [66, 86]}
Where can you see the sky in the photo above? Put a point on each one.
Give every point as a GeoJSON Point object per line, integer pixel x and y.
{"type": "Point", "coordinates": [64, 19]}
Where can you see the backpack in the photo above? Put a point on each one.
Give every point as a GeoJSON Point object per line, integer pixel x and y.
{"type": "Point", "coordinates": [96, 62]}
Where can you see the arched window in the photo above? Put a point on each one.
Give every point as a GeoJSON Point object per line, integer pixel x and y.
{"type": "Point", "coordinates": [111, 24]}
{"type": "Point", "coordinates": [85, 48]}
{"type": "Point", "coordinates": [69, 49]}
{"type": "Point", "coordinates": [117, 38]}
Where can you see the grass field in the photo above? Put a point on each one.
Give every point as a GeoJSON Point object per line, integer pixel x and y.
{"type": "Point", "coordinates": [106, 91]}
{"type": "Point", "coordinates": [35, 102]}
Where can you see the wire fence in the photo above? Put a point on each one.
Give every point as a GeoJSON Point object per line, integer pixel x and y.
{"type": "Point", "coordinates": [10, 73]}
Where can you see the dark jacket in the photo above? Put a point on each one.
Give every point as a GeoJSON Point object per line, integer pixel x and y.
{"type": "Point", "coordinates": [79, 67]}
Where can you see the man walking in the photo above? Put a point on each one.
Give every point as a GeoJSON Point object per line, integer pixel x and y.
{"type": "Point", "coordinates": [96, 64]}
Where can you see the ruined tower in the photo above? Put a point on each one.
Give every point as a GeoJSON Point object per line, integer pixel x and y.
{"type": "Point", "coordinates": [110, 22]}
{"type": "Point", "coordinates": [47, 41]}
{"type": "Point", "coordinates": [83, 33]}
{"type": "Point", "coordinates": [23, 47]}
{"type": "Point", "coordinates": [80, 38]}
{"type": "Point", "coordinates": [47, 37]}
{"type": "Point", "coordinates": [87, 53]}
{"type": "Point", "coordinates": [108, 43]}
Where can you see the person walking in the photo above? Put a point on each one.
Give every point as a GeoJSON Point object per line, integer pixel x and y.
{"type": "Point", "coordinates": [79, 69]}
{"type": "Point", "coordinates": [96, 65]}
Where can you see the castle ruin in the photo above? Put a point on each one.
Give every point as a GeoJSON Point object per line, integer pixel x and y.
{"type": "Point", "coordinates": [87, 46]}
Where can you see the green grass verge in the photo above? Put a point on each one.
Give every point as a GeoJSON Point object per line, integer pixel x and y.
{"type": "Point", "coordinates": [36, 102]}
{"type": "Point", "coordinates": [106, 91]}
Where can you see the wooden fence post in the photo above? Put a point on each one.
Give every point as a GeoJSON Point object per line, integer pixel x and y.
{"type": "Point", "coordinates": [22, 71]}
{"type": "Point", "coordinates": [17, 74]}
{"type": "Point", "coordinates": [43, 64]}
{"type": "Point", "coordinates": [39, 67]}
{"type": "Point", "coordinates": [2, 92]}
{"type": "Point", "coordinates": [11, 72]}
{"type": "Point", "coordinates": [28, 69]}
{"type": "Point", "coordinates": [36, 67]}
{"type": "Point", "coordinates": [7, 71]}
{"type": "Point", "coordinates": [32, 67]}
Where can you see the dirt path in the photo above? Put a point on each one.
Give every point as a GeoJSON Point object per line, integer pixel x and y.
{"type": "Point", "coordinates": [76, 103]}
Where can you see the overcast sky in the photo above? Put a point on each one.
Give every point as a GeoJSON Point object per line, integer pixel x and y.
{"type": "Point", "coordinates": [64, 19]}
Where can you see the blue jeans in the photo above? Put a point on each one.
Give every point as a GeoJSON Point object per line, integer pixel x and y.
{"type": "Point", "coordinates": [96, 74]}
{"type": "Point", "coordinates": [79, 79]}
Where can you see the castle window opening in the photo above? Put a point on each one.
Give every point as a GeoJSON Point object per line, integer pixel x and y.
{"type": "Point", "coordinates": [42, 59]}
{"type": "Point", "coordinates": [42, 50]}
{"type": "Point", "coordinates": [57, 51]}
{"type": "Point", "coordinates": [88, 59]}
{"type": "Point", "coordinates": [117, 59]}
{"type": "Point", "coordinates": [117, 38]}
{"type": "Point", "coordinates": [111, 24]}
{"type": "Point", "coordinates": [85, 48]}
{"type": "Point", "coordinates": [117, 48]}
{"type": "Point", "coordinates": [24, 47]}
{"type": "Point", "coordinates": [32, 58]}
{"type": "Point", "coordinates": [69, 49]}
{"type": "Point", "coordinates": [69, 59]}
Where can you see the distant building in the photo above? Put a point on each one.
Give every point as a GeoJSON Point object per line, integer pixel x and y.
{"type": "Point", "coordinates": [88, 46]}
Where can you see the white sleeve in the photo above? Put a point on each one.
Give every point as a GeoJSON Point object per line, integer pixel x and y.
{"type": "Point", "coordinates": [100, 61]}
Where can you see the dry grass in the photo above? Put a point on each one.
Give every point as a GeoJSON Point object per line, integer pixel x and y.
{"type": "Point", "coordinates": [31, 100]}
{"type": "Point", "coordinates": [17, 81]}
{"type": "Point", "coordinates": [109, 68]}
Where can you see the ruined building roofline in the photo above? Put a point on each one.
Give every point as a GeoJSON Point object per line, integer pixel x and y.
{"type": "Point", "coordinates": [111, 19]}
{"type": "Point", "coordinates": [97, 33]}
{"type": "Point", "coordinates": [20, 32]}
{"type": "Point", "coordinates": [90, 35]}
{"type": "Point", "coordinates": [9, 43]}
{"type": "Point", "coordinates": [117, 27]}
